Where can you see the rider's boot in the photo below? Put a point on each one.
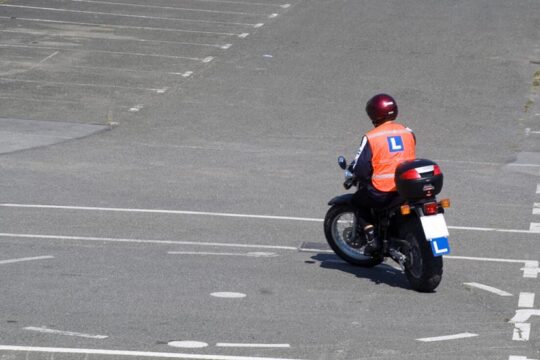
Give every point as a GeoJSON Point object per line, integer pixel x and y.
{"type": "Point", "coordinates": [372, 243]}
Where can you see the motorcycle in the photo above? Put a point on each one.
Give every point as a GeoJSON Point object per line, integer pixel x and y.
{"type": "Point", "coordinates": [411, 229]}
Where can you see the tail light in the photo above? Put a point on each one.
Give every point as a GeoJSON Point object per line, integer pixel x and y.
{"type": "Point", "coordinates": [405, 209]}
{"type": "Point", "coordinates": [411, 174]}
{"type": "Point", "coordinates": [436, 170]}
{"type": "Point", "coordinates": [431, 208]}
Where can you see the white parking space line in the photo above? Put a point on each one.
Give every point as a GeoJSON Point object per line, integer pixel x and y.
{"type": "Point", "coordinates": [526, 300]}
{"type": "Point", "coordinates": [534, 228]}
{"type": "Point", "coordinates": [538, 188]}
{"type": "Point", "coordinates": [45, 330]}
{"type": "Point", "coordinates": [12, 261]}
{"type": "Point", "coordinates": [154, 90]}
{"type": "Point", "coordinates": [282, 346]}
{"type": "Point", "coordinates": [448, 337]}
{"type": "Point", "coordinates": [127, 27]}
{"type": "Point", "coordinates": [487, 288]}
{"type": "Point", "coordinates": [53, 350]}
{"type": "Point", "coordinates": [145, 17]}
{"type": "Point", "coordinates": [530, 270]}
{"type": "Point", "coordinates": [105, 52]}
{"type": "Point", "coordinates": [249, 254]}
{"type": "Point", "coordinates": [170, 8]}
{"type": "Point", "coordinates": [536, 209]}
{"type": "Point", "coordinates": [145, 241]}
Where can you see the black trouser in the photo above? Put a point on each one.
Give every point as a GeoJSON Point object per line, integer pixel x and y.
{"type": "Point", "coordinates": [367, 198]}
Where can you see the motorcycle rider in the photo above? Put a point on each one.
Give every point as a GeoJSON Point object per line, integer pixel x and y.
{"type": "Point", "coordinates": [382, 149]}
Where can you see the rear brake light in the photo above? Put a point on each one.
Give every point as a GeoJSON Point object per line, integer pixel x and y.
{"type": "Point", "coordinates": [436, 170]}
{"type": "Point", "coordinates": [431, 208]}
{"type": "Point", "coordinates": [411, 174]}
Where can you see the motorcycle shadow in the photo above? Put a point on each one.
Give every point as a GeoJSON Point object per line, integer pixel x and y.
{"type": "Point", "coordinates": [380, 274]}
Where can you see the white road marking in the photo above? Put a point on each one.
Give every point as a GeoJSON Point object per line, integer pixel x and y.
{"type": "Point", "coordinates": [130, 353]}
{"type": "Point", "coordinates": [228, 295]}
{"type": "Point", "coordinates": [105, 52]}
{"type": "Point", "coordinates": [536, 209]}
{"type": "Point", "coordinates": [253, 345]}
{"type": "Point", "coordinates": [12, 261]}
{"type": "Point", "coordinates": [136, 108]}
{"type": "Point", "coordinates": [143, 241]}
{"type": "Point", "coordinates": [526, 300]}
{"type": "Point", "coordinates": [170, 8]}
{"type": "Point", "coordinates": [538, 188]}
{"type": "Point", "coordinates": [522, 331]}
{"type": "Point", "coordinates": [285, 6]}
{"type": "Point", "coordinates": [258, 25]}
{"type": "Point", "coordinates": [487, 288]}
{"type": "Point", "coordinates": [522, 315]}
{"type": "Point", "coordinates": [188, 344]}
{"type": "Point", "coordinates": [66, 333]}
{"type": "Point", "coordinates": [45, 59]}
{"type": "Point", "coordinates": [530, 270]}
{"type": "Point", "coordinates": [124, 15]}
{"type": "Point", "coordinates": [125, 26]}
{"type": "Point", "coordinates": [157, 91]}
{"type": "Point", "coordinates": [272, 16]}
{"type": "Point", "coordinates": [187, 74]}
{"type": "Point", "coordinates": [513, 357]}
{"type": "Point", "coordinates": [448, 337]}
{"type": "Point", "coordinates": [226, 46]}
{"type": "Point", "coordinates": [534, 228]}
{"type": "Point", "coordinates": [243, 35]}
{"type": "Point", "coordinates": [249, 254]}
{"type": "Point", "coordinates": [207, 59]}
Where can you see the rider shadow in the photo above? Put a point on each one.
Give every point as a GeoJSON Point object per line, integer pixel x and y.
{"type": "Point", "coordinates": [380, 274]}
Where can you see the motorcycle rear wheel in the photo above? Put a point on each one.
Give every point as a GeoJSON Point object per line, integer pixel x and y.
{"type": "Point", "coordinates": [423, 270]}
{"type": "Point", "coordinates": [339, 224]}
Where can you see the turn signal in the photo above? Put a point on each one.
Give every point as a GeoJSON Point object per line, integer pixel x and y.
{"type": "Point", "coordinates": [405, 209]}
{"type": "Point", "coordinates": [445, 203]}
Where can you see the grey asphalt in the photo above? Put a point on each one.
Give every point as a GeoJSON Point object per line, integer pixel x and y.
{"type": "Point", "coordinates": [256, 130]}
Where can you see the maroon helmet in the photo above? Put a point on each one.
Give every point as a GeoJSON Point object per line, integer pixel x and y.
{"type": "Point", "coordinates": [381, 108]}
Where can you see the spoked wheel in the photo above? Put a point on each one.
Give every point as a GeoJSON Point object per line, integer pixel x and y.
{"type": "Point", "coordinates": [348, 244]}
{"type": "Point", "coordinates": [423, 270]}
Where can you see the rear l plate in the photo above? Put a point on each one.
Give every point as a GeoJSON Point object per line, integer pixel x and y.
{"type": "Point", "coordinates": [434, 226]}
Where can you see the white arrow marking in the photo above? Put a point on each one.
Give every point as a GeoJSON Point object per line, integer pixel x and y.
{"type": "Point", "coordinates": [523, 315]}
{"type": "Point", "coordinates": [522, 331]}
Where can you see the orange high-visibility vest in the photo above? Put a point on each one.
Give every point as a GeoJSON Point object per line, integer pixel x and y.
{"type": "Point", "coordinates": [391, 144]}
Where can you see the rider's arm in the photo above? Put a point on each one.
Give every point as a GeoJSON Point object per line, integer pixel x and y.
{"type": "Point", "coordinates": [361, 166]}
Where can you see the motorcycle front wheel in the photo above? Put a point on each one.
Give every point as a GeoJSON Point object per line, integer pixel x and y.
{"type": "Point", "coordinates": [423, 270]}
{"type": "Point", "coordinates": [339, 230]}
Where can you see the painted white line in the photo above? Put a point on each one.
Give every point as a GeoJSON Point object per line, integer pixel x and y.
{"type": "Point", "coordinates": [228, 295]}
{"type": "Point", "coordinates": [530, 270]}
{"type": "Point", "coordinates": [536, 209]}
{"type": "Point", "coordinates": [145, 17]}
{"type": "Point", "coordinates": [522, 331]}
{"type": "Point", "coordinates": [130, 353]}
{"type": "Point", "coordinates": [538, 188]}
{"type": "Point", "coordinates": [226, 46]}
{"type": "Point", "coordinates": [247, 216]}
{"type": "Point", "coordinates": [522, 315]}
{"type": "Point", "coordinates": [253, 345]}
{"type": "Point", "coordinates": [273, 16]}
{"type": "Point", "coordinates": [285, 6]}
{"type": "Point", "coordinates": [514, 357]}
{"type": "Point", "coordinates": [207, 59]}
{"type": "Point", "coordinates": [12, 261]}
{"type": "Point", "coordinates": [169, 8]}
{"type": "Point", "coordinates": [104, 52]}
{"type": "Point", "coordinates": [243, 35]}
{"type": "Point", "coordinates": [188, 344]}
{"type": "Point", "coordinates": [249, 254]}
{"type": "Point", "coordinates": [42, 61]}
{"type": "Point", "coordinates": [256, 26]}
{"type": "Point", "coordinates": [143, 241]}
{"type": "Point", "coordinates": [187, 74]}
{"type": "Point", "coordinates": [158, 211]}
{"type": "Point", "coordinates": [448, 337]}
{"type": "Point", "coordinates": [45, 330]}
{"type": "Point", "coordinates": [526, 300]}
{"type": "Point", "coordinates": [157, 91]}
{"type": "Point", "coordinates": [487, 288]}
{"type": "Point", "coordinates": [136, 108]}
{"type": "Point", "coordinates": [124, 26]}
{"type": "Point", "coordinates": [534, 228]}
